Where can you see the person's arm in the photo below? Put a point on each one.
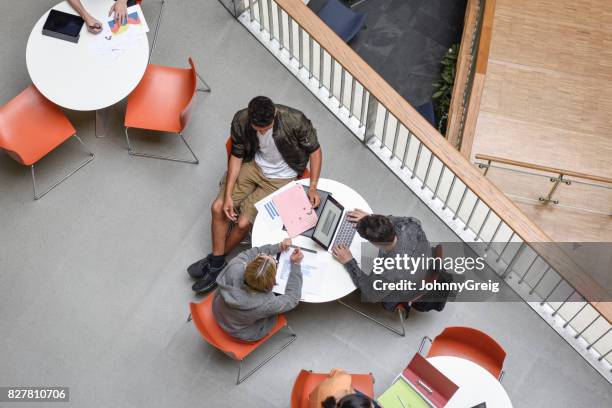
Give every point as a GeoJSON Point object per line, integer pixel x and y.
{"type": "Point", "coordinates": [364, 282]}
{"type": "Point", "coordinates": [293, 290]}
{"type": "Point", "coordinates": [93, 25]}
{"type": "Point", "coordinates": [233, 168]}
{"type": "Point", "coordinates": [316, 160]}
{"type": "Point", "coordinates": [306, 136]}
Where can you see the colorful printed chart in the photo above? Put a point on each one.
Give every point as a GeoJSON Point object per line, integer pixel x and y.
{"type": "Point", "coordinates": [133, 25]}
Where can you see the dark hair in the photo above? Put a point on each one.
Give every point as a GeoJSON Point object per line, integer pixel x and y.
{"type": "Point", "coordinates": [261, 111]}
{"type": "Point", "coordinates": [348, 401]}
{"type": "Point", "coordinates": [376, 228]}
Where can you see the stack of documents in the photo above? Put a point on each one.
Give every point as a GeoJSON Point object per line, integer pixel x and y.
{"type": "Point", "coordinates": [116, 38]}
{"type": "Point", "coordinates": [311, 282]}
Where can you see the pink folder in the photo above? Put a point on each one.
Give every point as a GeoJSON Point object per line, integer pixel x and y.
{"type": "Point", "coordinates": [295, 210]}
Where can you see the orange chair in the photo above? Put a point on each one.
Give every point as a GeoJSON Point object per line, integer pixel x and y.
{"type": "Point", "coordinates": [163, 101]}
{"type": "Point", "coordinates": [307, 381]}
{"type": "Point", "coordinates": [228, 147]}
{"type": "Point", "coordinates": [470, 344]}
{"type": "Point", "coordinates": [213, 334]}
{"type": "Point", "coordinates": [31, 127]}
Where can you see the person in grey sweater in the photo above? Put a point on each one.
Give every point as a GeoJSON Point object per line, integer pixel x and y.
{"type": "Point", "coordinates": [393, 236]}
{"type": "Point", "coordinates": [244, 305]}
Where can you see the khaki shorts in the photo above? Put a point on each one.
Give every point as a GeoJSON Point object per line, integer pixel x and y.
{"type": "Point", "coordinates": [251, 186]}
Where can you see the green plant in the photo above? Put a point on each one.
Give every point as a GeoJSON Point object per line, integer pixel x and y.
{"type": "Point", "coordinates": [443, 87]}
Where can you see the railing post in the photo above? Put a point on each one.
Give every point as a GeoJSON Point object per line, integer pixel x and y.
{"type": "Point", "coordinates": [557, 181]}
{"type": "Point", "coordinates": [528, 269]}
{"type": "Point", "coordinates": [300, 46]}
{"type": "Point", "coordinates": [270, 20]}
{"type": "Point", "coordinates": [384, 135]}
{"type": "Point", "coordinates": [370, 122]}
{"type": "Point", "coordinates": [310, 56]}
{"type": "Point", "coordinates": [395, 137]}
{"type": "Point", "coordinates": [261, 19]}
{"type": "Point", "coordinates": [515, 258]}
{"type": "Point", "coordinates": [342, 80]}
{"type": "Point", "coordinates": [363, 106]}
{"type": "Point", "coordinates": [352, 102]}
{"type": "Point", "coordinates": [251, 11]}
{"type": "Point", "coordinates": [321, 66]}
{"type": "Point", "coordinates": [290, 26]}
{"type": "Point", "coordinates": [281, 28]}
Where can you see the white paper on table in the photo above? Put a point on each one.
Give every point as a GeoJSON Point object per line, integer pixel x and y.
{"type": "Point", "coordinates": [267, 209]}
{"type": "Point", "coordinates": [310, 269]}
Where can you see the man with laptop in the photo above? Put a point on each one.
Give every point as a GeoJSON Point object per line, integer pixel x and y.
{"type": "Point", "coordinates": [392, 236]}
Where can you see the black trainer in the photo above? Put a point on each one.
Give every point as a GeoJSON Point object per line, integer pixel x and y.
{"type": "Point", "coordinates": [197, 270]}
{"type": "Point", "coordinates": [208, 282]}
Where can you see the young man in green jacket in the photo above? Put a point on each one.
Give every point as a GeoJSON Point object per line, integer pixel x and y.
{"type": "Point", "coordinates": [271, 146]}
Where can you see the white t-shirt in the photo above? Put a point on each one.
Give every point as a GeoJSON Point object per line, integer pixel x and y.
{"type": "Point", "coordinates": [269, 159]}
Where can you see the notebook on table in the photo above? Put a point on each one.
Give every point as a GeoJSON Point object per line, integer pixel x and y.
{"type": "Point", "coordinates": [295, 210]}
{"type": "Point", "coordinates": [64, 26]}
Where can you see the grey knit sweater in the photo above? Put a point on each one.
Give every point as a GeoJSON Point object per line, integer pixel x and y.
{"type": "Point", "coordinates": [246, 314]}
{"type": "Point", "coordinates": [411, 240]}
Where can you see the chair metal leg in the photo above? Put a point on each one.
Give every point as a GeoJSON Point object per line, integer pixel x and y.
{"type": "Point", "coordinates": [159, 19]}
{"type": "Point", "coordinates": [189, 318]}
{"type": "Point", "coordinates": [501, 375]}
{"type": "Point", "coordinates": [400, 312]}
{"type": "Point", "coordinates": [206, 86]}
{"type": "Point", "coordinates": [240, 380]}
{"type": "Point", "coordinates": [38, 196]}
{"type": "Point", "coordinates": [422, 345]}
{"type": "Point", "coordinates": [154, 156]}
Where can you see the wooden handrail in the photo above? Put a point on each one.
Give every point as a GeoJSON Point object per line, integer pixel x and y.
{"type": "Point", "coordinates": [538, 167]}
{"type": "Point", "coordinates": [452, 159]}
{"type": "Point", "coordinates": [462, 69]}
{"type": "Point", "coordinates": [484, 45]}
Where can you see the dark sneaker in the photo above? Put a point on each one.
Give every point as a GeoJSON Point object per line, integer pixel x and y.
{"type": "Point", "coordinates": [197, 270]}
{"type": "Point", "coordinates": [208, 282]}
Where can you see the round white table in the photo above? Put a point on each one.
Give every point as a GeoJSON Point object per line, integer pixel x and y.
{"type": "Point", "coordinates": [476, 385]}
{"type": "Point", "coordinates": [74, 75]}
{"type": "Point", "coordinates": [335, 282]}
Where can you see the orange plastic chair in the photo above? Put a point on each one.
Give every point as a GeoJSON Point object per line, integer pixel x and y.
{"type": "Point", "coordinates": [470, 344]}
{"type": "Point", "coordinates": [213, 334]}
{"type": "Point", "coordinates": [307, 381]}
{"type": "Point", "coordinates": [163, 101]}
{"type": "Point", "coordinates": [228, 147]}
{"type": "Point", "coordinates": [31, 127]}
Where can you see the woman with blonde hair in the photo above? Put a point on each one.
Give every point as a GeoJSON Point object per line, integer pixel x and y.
{"type": "Point", "coordinates": [244, 305]}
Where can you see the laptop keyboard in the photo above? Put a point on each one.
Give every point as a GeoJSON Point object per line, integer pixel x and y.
{"type": "Point", "coordinates": [346, 232]}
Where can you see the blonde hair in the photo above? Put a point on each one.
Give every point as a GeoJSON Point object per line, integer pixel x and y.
{"type": "Point", "coordinates": [260, 274]}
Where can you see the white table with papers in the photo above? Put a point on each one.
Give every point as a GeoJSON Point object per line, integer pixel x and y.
{"type": "Point", "coordinates": [90, 75]}
{"type": "Point", "coordinates": [325, 279]}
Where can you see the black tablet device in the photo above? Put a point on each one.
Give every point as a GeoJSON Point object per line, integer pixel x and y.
{"type": "Point", "coordinates": [64, 26]}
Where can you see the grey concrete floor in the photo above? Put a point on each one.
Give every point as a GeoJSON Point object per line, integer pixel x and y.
{"type": "Point", "coordinates": [93, 289]}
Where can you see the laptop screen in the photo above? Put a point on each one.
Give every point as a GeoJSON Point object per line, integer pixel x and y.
{"type": "Point", "coordinates": [330, 217]}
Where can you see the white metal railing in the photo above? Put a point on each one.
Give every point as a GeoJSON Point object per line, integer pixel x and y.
{"type": "Point", "coordinates": [401, 149]}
